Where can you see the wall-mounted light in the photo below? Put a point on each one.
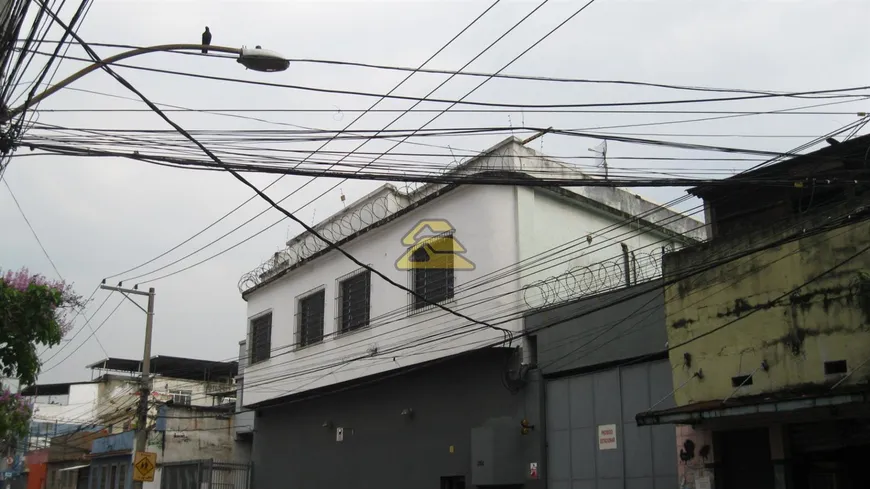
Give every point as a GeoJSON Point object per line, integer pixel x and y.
{"type": "Point", "coordinates": [526, 426]}
{"type": "Point", "coordinates": [408, 412]}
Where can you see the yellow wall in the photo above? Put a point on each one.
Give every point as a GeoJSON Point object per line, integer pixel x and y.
{"type": "Point", "coordinates": [825, 321]}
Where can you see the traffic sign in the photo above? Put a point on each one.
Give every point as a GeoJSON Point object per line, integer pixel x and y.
{"type": "Point", "coordinates": [143, 466]}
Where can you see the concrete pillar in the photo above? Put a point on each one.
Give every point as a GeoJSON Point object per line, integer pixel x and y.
{"type": "Point", "coordinates": [780, 457]}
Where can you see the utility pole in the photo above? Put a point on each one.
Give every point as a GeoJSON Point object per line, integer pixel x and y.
{"type": "Point", "coordinates": [145, 387]}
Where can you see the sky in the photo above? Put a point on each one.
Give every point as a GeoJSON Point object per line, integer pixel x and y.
{"type": "Point", "coordinates": [97, 217]}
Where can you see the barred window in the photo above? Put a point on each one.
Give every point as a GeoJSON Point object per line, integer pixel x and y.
{"type": "Point", "coordinates": [309, 318]}
{"type": "Point", "coordinates": [433, 275]}
{"type": "Point", "coordinates": [261, 338]}
{"type": "Point", "coordinates": [354, 301]}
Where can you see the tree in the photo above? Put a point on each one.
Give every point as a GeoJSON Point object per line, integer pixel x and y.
{"type": "Point", "coordinates": [15, 415]}
{"type": "Point", "coordinates": [34, 311]}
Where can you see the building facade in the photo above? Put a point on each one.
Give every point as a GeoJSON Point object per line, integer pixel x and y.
{"type": "Point", "coordinates": [509, 247]}
{"type": "Point", "coordinates": [345, 370]}
{"type": "Point", "coordinates": [768, 329]}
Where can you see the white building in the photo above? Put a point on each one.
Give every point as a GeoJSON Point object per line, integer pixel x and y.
{"type": "Point", "coordinates": [316, 319]}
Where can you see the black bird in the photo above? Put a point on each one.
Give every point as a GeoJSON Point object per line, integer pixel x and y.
{"type": "Point", "coordinates": [206, 40]}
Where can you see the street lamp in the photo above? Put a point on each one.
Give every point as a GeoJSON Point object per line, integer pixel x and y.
{"type": "Point", "coordinates": [256, 59]}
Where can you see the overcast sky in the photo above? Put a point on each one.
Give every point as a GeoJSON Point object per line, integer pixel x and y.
{"type": "Point", "coordinates": [98, 217]}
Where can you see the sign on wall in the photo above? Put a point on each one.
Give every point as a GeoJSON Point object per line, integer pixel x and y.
{"type": "Point", "coordinates": [438, 250]}
{"type": "Point", "coordinates": [607, 437]}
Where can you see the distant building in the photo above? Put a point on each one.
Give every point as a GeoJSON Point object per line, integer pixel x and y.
{"type": "Point", "coordinates": [768, 327]}
{"type": "Point", "coordinates": [194, 447]}
{"type": "Point", "coordinates": [109, 400]}
{"type": "Point", "coordinates": [107, 404]}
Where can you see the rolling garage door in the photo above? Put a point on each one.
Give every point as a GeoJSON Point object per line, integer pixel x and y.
{"type": "Point", "coordinates": [580, 408]}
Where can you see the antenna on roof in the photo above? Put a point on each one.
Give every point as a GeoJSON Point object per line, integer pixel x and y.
{"type": "Point", "coordinates": [601, 149]}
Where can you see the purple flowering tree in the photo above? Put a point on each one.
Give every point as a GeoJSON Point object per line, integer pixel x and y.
{"type": "Point", "coordinates": [15, 415]}
{"type": "Point", "coordinates": [34, 311]}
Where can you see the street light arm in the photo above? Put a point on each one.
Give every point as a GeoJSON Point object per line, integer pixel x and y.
{"type": "Point", "coordinates": [114, 59]}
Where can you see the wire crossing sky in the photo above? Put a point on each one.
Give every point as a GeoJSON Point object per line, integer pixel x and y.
{"type": "Point", "coordinates": [103, 214]}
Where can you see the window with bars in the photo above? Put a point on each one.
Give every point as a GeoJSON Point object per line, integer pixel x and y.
{"type": "Point", "coordinates": [261, 338]}
{"type": "Point", "coordinates": [433, 277]}
{"type": "Point", "coordinates": [354, 301]}
{"type": "Point", "coordinates": [309, 318]}
{"type": "Point", "coordinates": [182, 397]}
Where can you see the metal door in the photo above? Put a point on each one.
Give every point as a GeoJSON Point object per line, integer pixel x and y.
{"type": "Point", "coordinates": [580, 410]}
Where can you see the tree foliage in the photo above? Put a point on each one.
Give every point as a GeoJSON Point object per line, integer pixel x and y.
{"type": "Point", "coordinates": [15, 415]}
{"type": "Point", "coordinates": [34, 311]}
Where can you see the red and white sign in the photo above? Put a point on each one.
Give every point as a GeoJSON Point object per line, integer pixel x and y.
{"type": "Point", "coordinates": [533, 470]}
{"type": "Point", "coordinates": [607, 437]}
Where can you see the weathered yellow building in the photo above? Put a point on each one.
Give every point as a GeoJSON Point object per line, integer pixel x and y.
{"type": "Point", "coordinates": [768, 326]}
{"type": "Point", "coordinates": [791, 316]}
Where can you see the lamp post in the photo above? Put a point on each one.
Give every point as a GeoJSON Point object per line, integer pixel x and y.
{"type": "Point", "coordinates": [256, 59]}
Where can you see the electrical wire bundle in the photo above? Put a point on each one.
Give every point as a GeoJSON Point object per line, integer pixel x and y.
{"type": "Point", "coordinates": [237, 152]}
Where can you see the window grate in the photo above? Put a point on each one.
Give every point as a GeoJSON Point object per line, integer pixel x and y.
{"type": "Point", "coordinates": [261, 338]}
{"type": "Point", "coordinates": [434, 278]}
{"type": "Point", "coordinates": [354, 301]}
{"type": "Point", "coordinates": [309, 318]}
{"type": "Point", "coordinates": [182, 397]}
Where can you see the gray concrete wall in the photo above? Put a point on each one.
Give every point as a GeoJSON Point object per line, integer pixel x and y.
{"type": "Point", "coordinates": [627, 323]}
{"type": "Point", "coordinates": [383, 449]}
{"type": "Point", "coordinates": [194, 435]}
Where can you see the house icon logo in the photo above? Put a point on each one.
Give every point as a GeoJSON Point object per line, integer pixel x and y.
{"type": "Point", "coordinates": [431, 244]}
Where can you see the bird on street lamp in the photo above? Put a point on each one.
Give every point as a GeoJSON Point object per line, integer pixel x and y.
{"type": "Point", "coordinates": [256, 59]}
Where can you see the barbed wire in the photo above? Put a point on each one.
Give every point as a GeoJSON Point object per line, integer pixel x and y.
{"type": "Point", "coordinates": [390, 200]}
{"type": "Point", "coordinates": [635, 267]}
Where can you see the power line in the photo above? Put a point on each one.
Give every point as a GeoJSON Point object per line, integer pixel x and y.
{"type": "Point", "coordinates": [32, 231]}
{"type": "Point", "coordinates": [492, 104]}
{"type": "Point", "coordinates": [753, 93]}
{"type": "Point", "coordinates": [372, 107]}
{"type": "Point", "coordinates": [705, 267]}
{"type": "Point", "coordinates": [87, 323]}
{"type": "Point", "coordinates": [265, 197]}
{"type": "Point", "coordinates": [45, 252]}
{"type": "Point", "coordinates": [93, 334]}
{"type": "Point", "coordinates": [502, 36]}
{"type": "Point", "coordinates": [461, 72]}
{"type": "Point", "coordinates": [486, 178]}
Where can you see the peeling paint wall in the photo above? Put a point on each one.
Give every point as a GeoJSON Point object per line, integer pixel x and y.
{"type": "Point", "coordinates": [695, 456]}
{"type": "Point", "coordinates": [826, 321]}
{"type": "Point", "coordinates": [192, 435]}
